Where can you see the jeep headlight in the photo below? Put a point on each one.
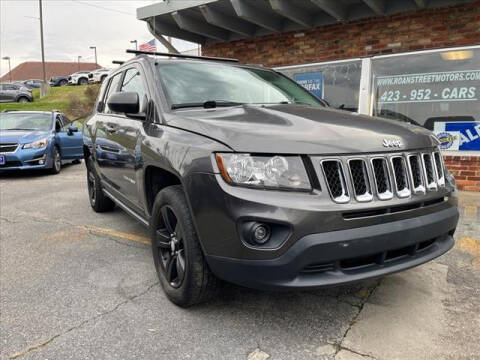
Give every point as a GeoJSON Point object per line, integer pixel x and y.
{"type": "Point", "coordinates": [272, 172]}
{"type": "Point", "coordinates": [36, 144]}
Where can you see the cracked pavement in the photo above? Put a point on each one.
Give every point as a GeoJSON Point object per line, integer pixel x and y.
{"type": "Point", "coordinates": [80, 285]}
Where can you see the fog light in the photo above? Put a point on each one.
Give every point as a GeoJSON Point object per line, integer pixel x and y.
{"type": "Point", "coordinates": [261, 233]}
{"type": "Point", "coordinates": [40, 162]}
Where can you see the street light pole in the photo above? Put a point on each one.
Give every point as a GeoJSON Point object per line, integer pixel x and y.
{"type": "Point", "coordinates": [95, 49]}
{"type": "Point", "coordinates": [78, 61]}
{"type": "Point", "coordinates": [43, 49]}
{"type": "Point", "coordinates": [9, 68]}
{"type": "Point", "coordinates": [134, 42]}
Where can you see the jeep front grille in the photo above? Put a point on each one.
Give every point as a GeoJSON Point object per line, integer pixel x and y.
{"type": "Point", "coordinates": [335, 177]}
{"type": "Point", "coordinates": [8, 147]}
{"type": "Point", "coordinates": [383, 176]}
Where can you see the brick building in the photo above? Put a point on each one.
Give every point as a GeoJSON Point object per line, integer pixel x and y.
{"type": "Point", "coordinates": [34, 70]}
{"type": "Point", "coordinates": [410, 60]}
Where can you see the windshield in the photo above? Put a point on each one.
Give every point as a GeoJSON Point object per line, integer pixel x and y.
{"type": "Point", "coordinates": [19, 121]}
{"type": "Point", "coordinates": [198, 83]}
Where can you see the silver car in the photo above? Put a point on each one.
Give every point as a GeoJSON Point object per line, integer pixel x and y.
{"type": "Point", "coordinates": [15, 93]}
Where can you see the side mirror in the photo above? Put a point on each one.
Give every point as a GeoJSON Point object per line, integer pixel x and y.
{"type": "Point", "coordinates": [124, 102]}
{"type": "Point", "coordinates": [72, 129]}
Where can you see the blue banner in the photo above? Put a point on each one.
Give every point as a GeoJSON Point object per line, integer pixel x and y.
{"type": "Point", "coordinates": [313, 82]}
{"type": "Point", "coordinates": [458, 135]}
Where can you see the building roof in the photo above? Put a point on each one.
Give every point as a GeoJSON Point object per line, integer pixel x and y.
{"type": "Point", "coordinates": [213, 21]}
{"type": "Point", "coordinates": [33, 70]}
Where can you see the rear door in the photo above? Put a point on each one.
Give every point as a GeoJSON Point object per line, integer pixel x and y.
{"type": "Point", "coordinates": [70, 143]}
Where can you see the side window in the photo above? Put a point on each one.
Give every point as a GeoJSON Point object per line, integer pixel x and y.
{"type": "Point", "coordinates": [132, 82]}
{"type": "Point", "coordinates": [112, 88]}
{"type": "Point", "coordinates": [58, 124]}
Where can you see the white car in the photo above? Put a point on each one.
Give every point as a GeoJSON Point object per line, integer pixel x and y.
{"type": "Point", "coordinates": [79, 78]}
{"type": "Point", "coordinates": [97, 76]}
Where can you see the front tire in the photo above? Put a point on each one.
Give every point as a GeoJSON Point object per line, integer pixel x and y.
{"type": "Point", "coordinates": [98, 200]}
{"type": "Point", "coordinates": [57, 162]}
{"type": "Point", "coordinates": [178, 257]}
{"type": "Point", "coordinates": [83, 81]}
{"type": "Point", "coordinates": [63, 83]}
{"type": "Point", "coordinates": [22, 99]}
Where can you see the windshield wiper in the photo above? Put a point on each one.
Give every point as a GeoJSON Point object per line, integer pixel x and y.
{"type": "Point", "coordinates": [210, 104]}
{"type": "Point", "coordinates": [19, 129]}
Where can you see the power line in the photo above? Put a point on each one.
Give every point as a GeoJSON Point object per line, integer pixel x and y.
{"type": "Point", "coordinates": [103, 8]}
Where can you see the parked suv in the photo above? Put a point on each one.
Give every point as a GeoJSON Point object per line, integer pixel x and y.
{"type": "Point", "coordinates": [78, 78]}
{"type": "Point", "coordinates": [14, 93]}
{"type": "Point", "coordinates": [243, 175]}
{"type": "Point", "coordinates": [97, 76]}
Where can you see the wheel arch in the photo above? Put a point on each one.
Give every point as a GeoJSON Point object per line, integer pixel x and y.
{"type": "Point", "coordinates": [155, 180]}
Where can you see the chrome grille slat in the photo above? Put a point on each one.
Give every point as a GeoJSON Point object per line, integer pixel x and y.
{"type": "Point", "coordinates": [438, 162]}
{"type": "Point", "coordinates": [429, 171]}
{"type": "Point", "coordinates": [335, 177]}
{"type": "Point", "coordinates": [400, 176]}
{"type": "Point", "coordinates": [416, 173]}
{"type": "Point", "coordinates": [360, 179]}
{"type": "Point", "coordinates": [382, 178]}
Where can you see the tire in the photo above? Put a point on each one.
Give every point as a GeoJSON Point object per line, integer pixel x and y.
{"type": "Point", "coordinates": [57, 162]}
{"type": "Point", "coordinates": [83, 81]}
{"type": "Point", "coordinates": [176, 250]}
{"type": "Point", "coordinates": [23, 99]}
{"type": "Point", "coordinates": [63, 83]}
{"type": "Point", "coordinates": [98, 200]}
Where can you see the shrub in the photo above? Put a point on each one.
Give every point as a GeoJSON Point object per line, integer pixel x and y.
{"type": "Point", "coordinates": [81, 107]}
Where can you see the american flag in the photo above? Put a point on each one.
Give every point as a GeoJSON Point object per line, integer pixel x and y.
{"type": "Point", "coordinates": [149, 46]}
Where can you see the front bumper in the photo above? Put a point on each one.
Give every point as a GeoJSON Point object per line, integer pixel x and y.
{"type": "Point", "coordinates": [326, 243]}
{"type": "Point", "coordinates": [27, 159]}
{"type": "Point", "coordinates": [345, 256]}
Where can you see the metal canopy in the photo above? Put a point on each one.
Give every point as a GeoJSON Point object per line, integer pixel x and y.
{"type": "Point", "coordinates": [213, 21]}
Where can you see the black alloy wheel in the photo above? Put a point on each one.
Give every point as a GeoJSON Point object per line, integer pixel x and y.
{"type": "Point", "coordinates": [170, 247]}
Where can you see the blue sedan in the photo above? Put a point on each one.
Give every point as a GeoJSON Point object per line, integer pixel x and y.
{"type": "Point", "coordinates": [38, 140]}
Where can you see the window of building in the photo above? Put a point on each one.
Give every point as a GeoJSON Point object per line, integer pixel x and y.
{"type": "Point", "coordinates": [439, 90]}
{"type": "Point", "coordinates": [337, 83]}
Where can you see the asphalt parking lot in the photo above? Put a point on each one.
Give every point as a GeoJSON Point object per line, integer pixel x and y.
{"type": "Point", "coordinates": [79, 285]}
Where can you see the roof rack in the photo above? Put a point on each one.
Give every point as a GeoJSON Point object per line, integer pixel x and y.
{"type": "Point", "coordinates": [118, 62]}
{"type": "Point", "coordinates": [182, 56]}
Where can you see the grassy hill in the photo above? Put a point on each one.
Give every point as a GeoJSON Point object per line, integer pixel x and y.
{"type": "Point", "coordinates": [67, 99]}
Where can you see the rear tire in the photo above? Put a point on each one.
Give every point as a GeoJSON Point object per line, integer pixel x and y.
{"type": "Point", "coordinates": [178, 257]}
{"type": "Point", "coordinates": [57, 162]}
{"type": "Point", "coordinates": [98, 200]}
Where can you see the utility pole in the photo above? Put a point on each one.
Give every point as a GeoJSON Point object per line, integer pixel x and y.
{"type": "Point", "coordinates": [9, 68]}
{"type": "Point", "coordinates": [44, 85]}
{"type": "Point", "coordinates": [95, 49]}
{"type": "Point", "coordinates": [136, 44]}
{"type": "Point", "coordinates": [78, 61]}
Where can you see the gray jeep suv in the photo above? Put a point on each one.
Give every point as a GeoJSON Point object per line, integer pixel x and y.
{"type": "Point", "coordinates": [243, 175]}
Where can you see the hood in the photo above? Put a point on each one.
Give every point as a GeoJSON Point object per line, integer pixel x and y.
{"type": "Point", "coordinates": [299, 129]}
{"type": "Point", "coordinates": [21, 136]}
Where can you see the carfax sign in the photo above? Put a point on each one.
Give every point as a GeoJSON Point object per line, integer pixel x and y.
{"type": "Point", "coordinates": [313, 82]}
{"type": "Point", "coordinates": [458, 135]}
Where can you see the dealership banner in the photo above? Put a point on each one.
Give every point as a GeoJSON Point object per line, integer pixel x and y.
{"type": "Point", "coordinates": [313, 82]}
{"type": "Point", "coordinates": [446, 86]}
{"type": "Point", "coordinates": [458, 135]}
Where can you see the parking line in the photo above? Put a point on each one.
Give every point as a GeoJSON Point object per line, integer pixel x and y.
{"type": "Point", "coordinates": [118, 234]}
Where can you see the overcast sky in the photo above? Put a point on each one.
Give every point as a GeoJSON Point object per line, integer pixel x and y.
{"type": "Point", "coordinates": [70, 28]}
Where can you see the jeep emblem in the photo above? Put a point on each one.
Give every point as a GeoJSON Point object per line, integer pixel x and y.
{"type": "Point", "coordinates": [389, 143]}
